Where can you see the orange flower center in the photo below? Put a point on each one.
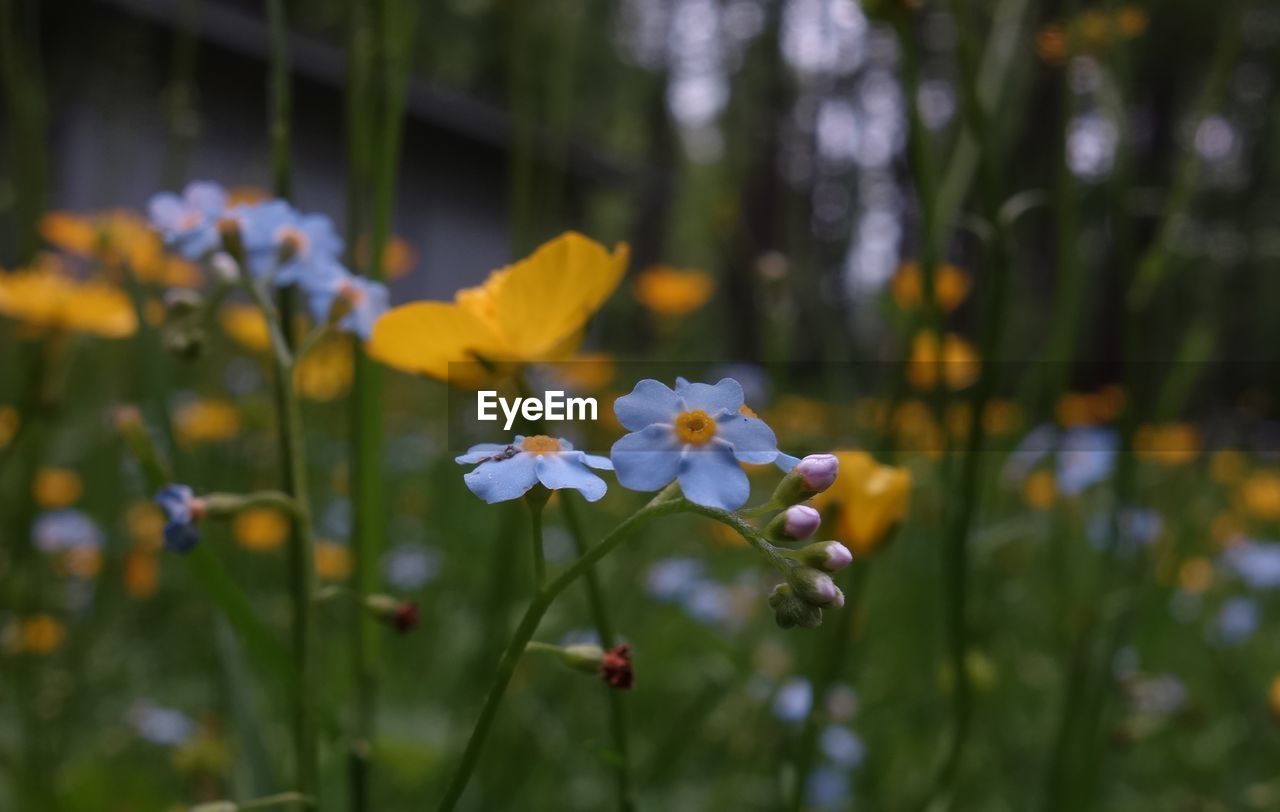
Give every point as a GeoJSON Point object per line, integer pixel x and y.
{"type": "Point", "coordinates": [293, 241]}
{"type": "Point", "coordinates": [351, 293]}
{"type": "Point", "coordinates": [540, 444]}
{"type": "Point", "coordinates": [695, 427]}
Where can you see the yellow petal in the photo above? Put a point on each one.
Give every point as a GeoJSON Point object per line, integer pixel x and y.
{"type": "Point", "coordinates": [541, 301]}
{"type": "Point", "coordinates": [425, 337]}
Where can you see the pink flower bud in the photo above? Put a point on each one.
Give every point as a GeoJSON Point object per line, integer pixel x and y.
{"type": "Point", "coordinates": [800, 522]}
{"type": "Point", "coordinates": [818, 471]}
{"type": "Point", "coordinates": [836, 556]}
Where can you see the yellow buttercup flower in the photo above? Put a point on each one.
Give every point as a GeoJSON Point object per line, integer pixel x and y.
{"type": "Point", "coordinates": [868, 501]}
{"type": "Point", "coordinates": [141, 574]}
{"type": "Point", "coordinates": [46, 298]}
{"type": "Point", "coordinates": [119, 238]}
{"type": "Point", "coordinates": [260, 529]}
{"type": "Point", "coordinates": [41, 634]}
{"type": "Point", "coordinates": [56, 488]}
{"type": "Point", "coordinates": [206, 421]}
{"type": "Point", "coordinates": [1195, 575]}
{"type": "Point", "coordinates": [145, 524]}
{"type": "Point", "coordinates": [1167, 443]}
{"type": "Point", "coordinates": [1040, 490]}
{"type": "Point", "coordinates": [672, 292]}
{"type": "Point", "coordinates": [82, 561]}
{"type": "Point", "coordinates": [246, 325]}
{"type": "Point", "coordinates": [950, 286]}
{"type": "Point", "coordinates": [1261, 495]}
{"type": "Point", "coordinates": [9, 422]}
{"type": "Point", "coordinates": [533, 310]}
{"type": "Point", "coordinates": [333, 560]}
{"type": "Point", "coordinates": [1228, 466]}
{"type": "Point", "coordinates": [587, 372]}
{"type": "Point", "coordinates": [959, 361]}
{"type": "Point", "coordinates": [398, 257]}
{"type": "Point", "coordinates": [327, 370]}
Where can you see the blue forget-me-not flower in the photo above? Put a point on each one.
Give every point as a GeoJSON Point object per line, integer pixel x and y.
{"type": "Point", "coordinates": [697, 434]}
{"type": "Point", "coordinates": [508, 471]}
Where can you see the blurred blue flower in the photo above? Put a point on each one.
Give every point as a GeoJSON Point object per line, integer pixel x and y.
{"type": "Point", "coordinates": [365, 300]}
{"type": "Point", "coordinates": [1256, 563]}
{"type": "Point", "coordinates": [189, 223]}
{"type": "Point", "coordinates": [793, 700]}
{"type": "Point", "coordinates": [1086, 457]}
{"type": "Point", "coordinates": [827, 788]}
{"type": "Point", "coordinates": [509, 471]}
{"type": "Point", "coordinates": [671, 579]}
{"type": "Point", "coordinates": [159, 725]}
{"type": "Point", "coordinates": [409, 567]}
{"type": "Point", "coordinates": [181, 510]}
{"type": "Point", "coordinates": [313, 249]}
{"type": "Point", "coordinates": [842, 746]}
{"type": "Point", "coordinates": [57, 531]}
{"type": "Point", "coordinates": [697, 434]}
{"type": "Point", "coordinates": [1034, 447]}
{"type": "Point", "coordinates": [1237, 620]}
{"type": "Point", "coordinates": [262, 228]}
{"type": "Point", "coordinates": [1139, 527]}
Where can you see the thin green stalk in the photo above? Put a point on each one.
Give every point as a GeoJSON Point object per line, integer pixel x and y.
{"type": "Point", "coordinates": [302, 572]}
{"type": "Point", "coordinates": [604, 630]}
{"type": "Point", "coordinates": [661, 505]}
{"type": "Point", "coordinates": [536, 506]}
{"type": "Point", "coordinates": [27, 114]}
{"type": "Point", "coordinates": [835, 648]}
{"type": "Point", "coordinates": [281, 104]}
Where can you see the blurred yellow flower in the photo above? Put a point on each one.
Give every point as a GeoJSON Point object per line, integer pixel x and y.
{"type": "Point", "coordinates": [1261, 495]}
{"type": "Point", "coordinates": [1167, 443]}
{"type": "Point", "coordinates": [868, 501]}
{"type": "Point", "coordinates": [1002, 417]}
{"type": "Point", "coordinates": [326, 371]}
{"type": "Point", "coordinates": [333, 560]}
{"type": "Point", "coordinates": [56, 487]}
{"type": "Point", "coordinates": [82, 561]}
{"type": "Point", "coordinates": [119, 238]}
{"type": "Point", "coordinates": [959, 361]}
{"type": "Point", "coordinates": [9, 422]}
{"type": "Point", "coordinates": [950, 286]}
{"type": "Point", "coordinates": [533, 310]}
{"type": "Point", "coordinates": [260, 529]}
{"type": "Point", "coordinates": [1226, 529]}
{"type": "Point", "coordinates": [145, 524]}
{"type": "Point", "coordinates": [206, 421]}
{"type": "Point", "coordinates": [246, 325]}
{"type": "Point", "coordinates": [398, 257]}
{"type": "Point", "coordinates": [587, 372]}
{"type": "Point", "coordinates": [141, 574]}
{"type": "Point", "coordinates": [672, 292]}
{"type": "Point", "coordinates": [41, 634]}
{"type": "Point", "coordinates": [246, 195]}
{"type": "Point", "coordinates": [1090, 408]}
{"type": "Point", "coordinates": [46, 298]}
{"type": "Point", "coordinates": [1195, 575]}
{"type": "Point", "coordinates": [1130, 21]}
{"type": "Point", "coordinates": [1273, 697]}
{"type": "Point", "coordinates": [1227, 467]}
{"type": "Point", "coordinates": [1040, 490]}
{"type": "Point", "coordinates": [796, 416]}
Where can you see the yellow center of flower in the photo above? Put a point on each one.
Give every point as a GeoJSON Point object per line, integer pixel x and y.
{"type": "Point", "coordinates": [747, 411]}
{"type": "Point", "coordinates": [695, 427]}
{"type": "Point", "coordinates": [540, 444]}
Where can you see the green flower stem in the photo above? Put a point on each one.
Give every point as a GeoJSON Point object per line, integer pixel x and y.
{"type": "Point", "coordinates": [604, 630]}
{"type": "Point", "coordinates": [302, 573]}
{"type": "Point", "coordinates": [220, 504]}
{"type": "Point", "coordinates": [834, 651]}
{"type": "Point", "coordinates": [662, 505]}
{"type": "Point", "coordinates": [279, 799]}
{"type": "Point", "coordinates": [536, 506]}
